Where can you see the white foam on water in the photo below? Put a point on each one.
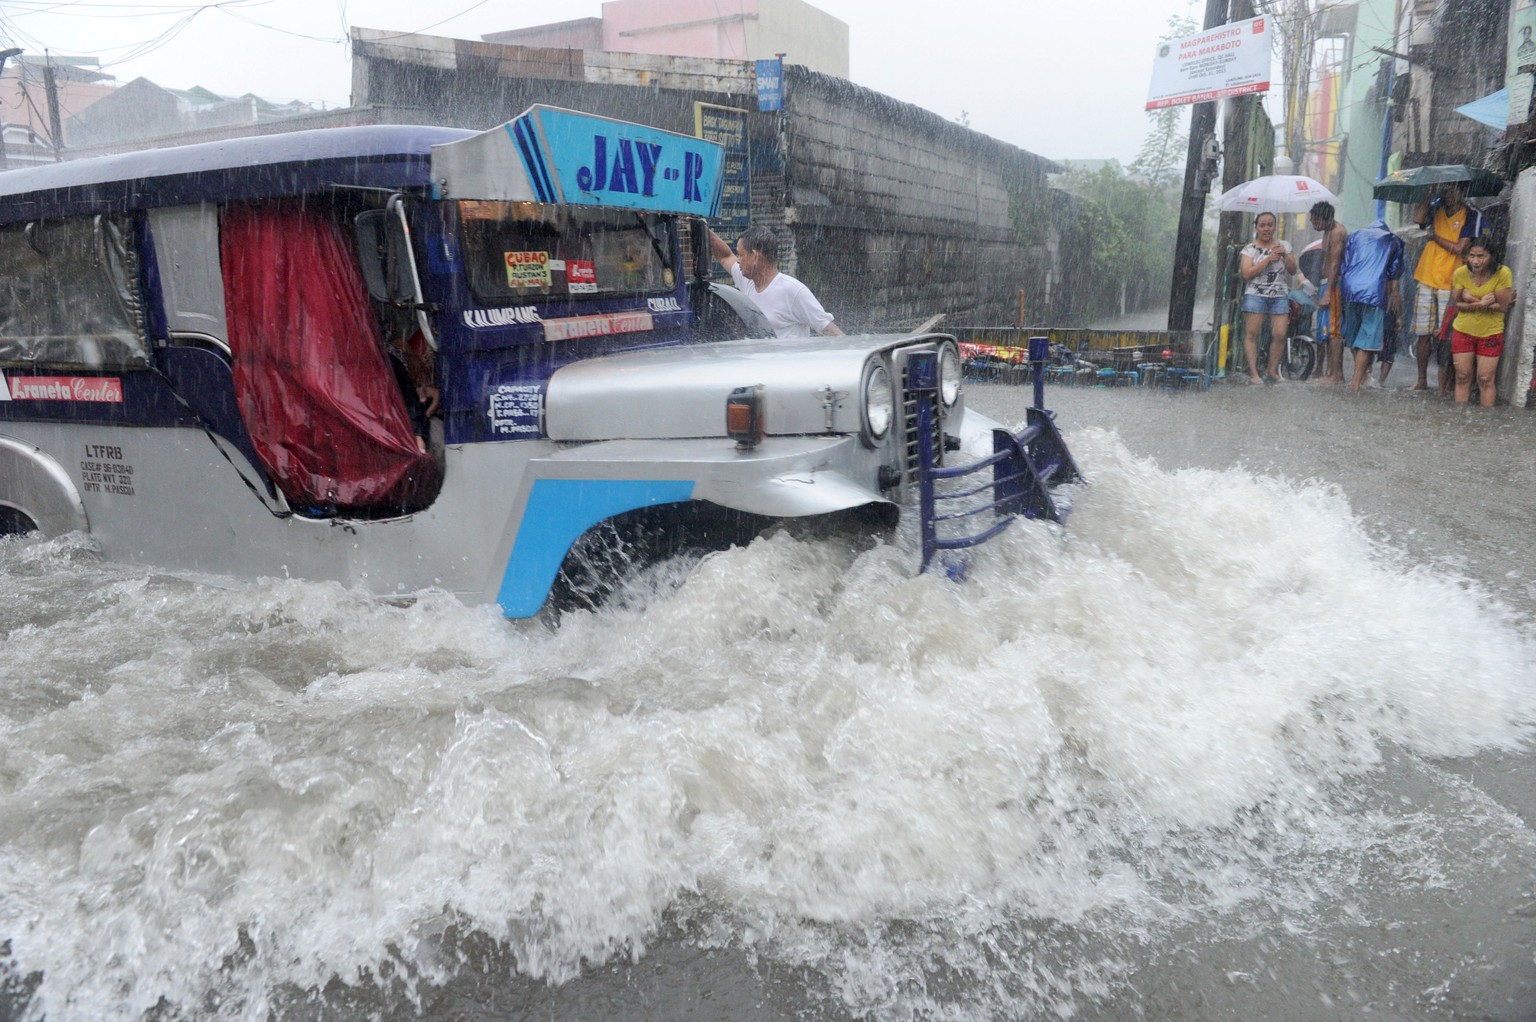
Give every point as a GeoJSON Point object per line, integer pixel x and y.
{"type": "Point", "coordinates": [945, 800]}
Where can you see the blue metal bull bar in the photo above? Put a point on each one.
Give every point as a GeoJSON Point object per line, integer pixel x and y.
{"type": "Point", "coordinates": [1025, 466]}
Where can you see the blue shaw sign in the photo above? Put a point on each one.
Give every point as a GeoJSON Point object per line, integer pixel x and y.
{"type": "Point", "coordinates": [770, 84]}
{"type": "Point", "coordinates": [592, 161]}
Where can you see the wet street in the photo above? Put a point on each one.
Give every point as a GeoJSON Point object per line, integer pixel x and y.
{"type": "Point", "coordinates": [390, 395]}
{"type": "Point", "coordinates": [1249, 737]}
{"type": "Point", "coordinates": [1448, 491]}
{"type": "Point", "coordinates": [1452, 485]}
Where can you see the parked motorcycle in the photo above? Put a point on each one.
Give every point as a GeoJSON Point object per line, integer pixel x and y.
{"type": "Point", "coordinates": [1302, 353]}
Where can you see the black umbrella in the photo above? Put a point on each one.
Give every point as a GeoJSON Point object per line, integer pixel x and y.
{"type": "Point", "coordinates": [1414, 183]}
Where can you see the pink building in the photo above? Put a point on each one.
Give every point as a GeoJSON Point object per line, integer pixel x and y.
{"type": "Point", "coordinates": [720, 29]}
{"type": "Point", "coordinates": [24, 117]}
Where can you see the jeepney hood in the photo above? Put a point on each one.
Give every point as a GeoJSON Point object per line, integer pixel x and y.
{"type": "Point", "coordinates": [811, 385]}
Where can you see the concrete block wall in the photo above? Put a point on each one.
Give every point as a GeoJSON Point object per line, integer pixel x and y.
{"type": "Point", "coordinates": [891, 213]}
{"type": "Point", "coordinates": [897, 214]}
{"type": "Point", "coordinates": [1518, 365]}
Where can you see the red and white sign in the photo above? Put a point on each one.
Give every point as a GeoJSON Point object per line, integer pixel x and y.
{"type": "Point", "coordinates": [574, 327]}
{"type": "Point", "coordinates": [1228, 60]}
{"type": "Point", "coordinates": [580, 277]}
{"type": "Point", "coordinates": [108, 389]}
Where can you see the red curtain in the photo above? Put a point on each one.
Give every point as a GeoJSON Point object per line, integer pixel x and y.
{"type": "Point", "coordinates": [313, 383]}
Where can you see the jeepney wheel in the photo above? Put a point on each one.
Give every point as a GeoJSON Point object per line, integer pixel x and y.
{"type": "Point", "coordinates": [14, 522]}
{"type": "Point", "coordinates": [603, 566]}
{"type": "Point", "coordinates": [609, 557]}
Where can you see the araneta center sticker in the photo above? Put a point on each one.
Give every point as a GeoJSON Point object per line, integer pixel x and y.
{"type": "Point", "coordinates": [106, 389]}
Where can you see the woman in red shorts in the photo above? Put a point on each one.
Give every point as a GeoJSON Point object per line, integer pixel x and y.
{"type": "Point", "coordinates": [1481, 290]}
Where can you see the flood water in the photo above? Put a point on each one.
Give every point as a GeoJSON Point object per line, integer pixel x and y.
{"type": "Point", "coordinates": [1247, 738]}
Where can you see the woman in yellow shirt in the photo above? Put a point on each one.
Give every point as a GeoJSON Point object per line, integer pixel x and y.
{"type": "Point", "coordinates": [1481, 290]}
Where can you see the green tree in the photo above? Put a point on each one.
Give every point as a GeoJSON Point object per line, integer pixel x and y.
{"type": "Point", "coordinates": [1118, 228]}
{"type": "Point", "coordinates": [1114, 231]}
{"type": "Point", "coordinates": [1117, 232]}
{"type": "Point", "coordinates": [1163, 152]}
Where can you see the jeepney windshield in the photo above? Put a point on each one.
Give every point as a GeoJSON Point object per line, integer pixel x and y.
{"type": "Point", "coordinates": [521, 251]}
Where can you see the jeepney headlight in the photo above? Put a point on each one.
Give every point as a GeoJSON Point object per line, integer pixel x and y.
{"type": "Point", "coordinates": [879, 404]}
{"type": "Point", "coordinates": [949, 375]}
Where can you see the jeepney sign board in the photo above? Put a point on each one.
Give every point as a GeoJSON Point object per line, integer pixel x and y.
{"type": "Point", "coordinates": [584, 160]}
{"type": "Point", "coordinates": [1228, 60]}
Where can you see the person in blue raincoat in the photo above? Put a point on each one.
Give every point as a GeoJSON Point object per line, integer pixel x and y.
{"type": "Point", "coordinates": [1373, 262]}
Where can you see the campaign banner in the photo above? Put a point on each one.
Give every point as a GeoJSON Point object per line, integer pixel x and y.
{"type": "Point", "coordinates": [1228, 60]}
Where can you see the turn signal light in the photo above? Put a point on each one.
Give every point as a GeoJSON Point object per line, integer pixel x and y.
{"type": "Point", "coordinates": [744, 416]}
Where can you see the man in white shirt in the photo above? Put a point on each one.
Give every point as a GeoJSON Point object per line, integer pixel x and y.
{"type": "Point", "coordinates": [789, 306]}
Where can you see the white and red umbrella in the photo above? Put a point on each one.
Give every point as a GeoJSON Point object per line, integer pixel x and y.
{"type": "Point", "coordinates": [1275, 193]}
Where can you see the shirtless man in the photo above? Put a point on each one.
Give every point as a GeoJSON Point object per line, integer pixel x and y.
{"type": "Point", "coordinates": [1332, 297]}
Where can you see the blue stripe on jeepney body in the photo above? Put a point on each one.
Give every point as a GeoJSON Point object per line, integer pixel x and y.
{"type": "Point", "coordinates": [558, 512]}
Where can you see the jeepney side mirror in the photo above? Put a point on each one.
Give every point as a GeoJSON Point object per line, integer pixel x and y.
{"type": "Point", "coordinates": [703, 258]}
{"type": "Point", "coordinates": [382, 251]}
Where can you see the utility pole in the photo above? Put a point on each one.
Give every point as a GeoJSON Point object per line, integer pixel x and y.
{"type": "Point", "coordinates": [1296, 37]}
{"type": "Point", "coordinates": [5, 55]}
{"type": "Point", "coordinates": [1199, 164]}
{"type": "Point", "coordinates": [1237, 131]}
{"type": "Point", "coordinates": [51, 87]}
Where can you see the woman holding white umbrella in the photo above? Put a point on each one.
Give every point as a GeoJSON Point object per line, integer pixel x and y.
{"type": "Point", "coordinates": [1267, 268]}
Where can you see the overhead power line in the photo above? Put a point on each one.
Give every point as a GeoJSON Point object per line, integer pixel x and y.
{"type": "Point", "coordinates": [16, 11]}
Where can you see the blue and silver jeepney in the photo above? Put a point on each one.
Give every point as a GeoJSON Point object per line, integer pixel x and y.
{"type": "Point", "coordinates": [210, 356]}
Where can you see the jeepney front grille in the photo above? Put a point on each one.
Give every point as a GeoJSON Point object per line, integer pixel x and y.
{"type": "Point", "coordinates": [909, 424]}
